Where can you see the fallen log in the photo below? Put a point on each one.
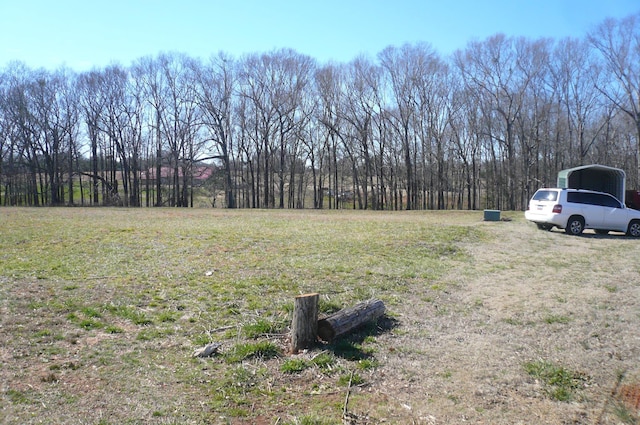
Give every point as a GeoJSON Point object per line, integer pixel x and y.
{"type": "Point", "coordinates": [348, 319]}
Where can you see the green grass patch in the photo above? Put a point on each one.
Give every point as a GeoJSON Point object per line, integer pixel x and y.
{"type": "Point", "coordinates": [168, 316]}
{"type": "Point", "coordinates": [244, 351]}
{"type": "Point", "coordinates": [89, 324]}
{"type": "Point", "coordinates": [44, 333]}
{"type": "Point", "coordinates": [295, 365]}
{"type": "Point", "coordinates": [18, 397]}
{"type": "Point", "coordinates": [350, 378]}
{"type": "Point", "coordinates": [91, 312]}
{"type": "Point", "coordinates": [311, 420]}
{"type": "Point", "coordinates": [561, 319]}
{"type": "Point", "coordinates": [262, 327]}
{"type": "Point", "coordinates": [201, 339]}
{"type": "Point", "coordinates": [329, 307]}
{"type": "Point", "coordinates": [366, 364]}
{"type": "Point", "coordinates": [132, 314]}
{"type": "Point", "coordinates": [560, 383]}
{"type": "Point", "coordinates": [153, 333]}
{"type": "Point", "coordinates": [324, 361]}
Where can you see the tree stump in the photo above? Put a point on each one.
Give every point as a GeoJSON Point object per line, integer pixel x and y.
{"type": "Point", "coordinates": [304, 327]}
{"type": "Point", "coordinates": [348, 319]}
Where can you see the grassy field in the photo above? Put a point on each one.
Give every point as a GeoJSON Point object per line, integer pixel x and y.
{"type": "Point", "coordinates": [487, 322]}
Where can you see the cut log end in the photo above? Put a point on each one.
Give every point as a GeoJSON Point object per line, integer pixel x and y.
{"type": "Point", "coordinates": [325, 330]}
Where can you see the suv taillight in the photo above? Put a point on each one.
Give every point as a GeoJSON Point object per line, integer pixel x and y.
{"type": "Point", "coordinates": [557, 209]}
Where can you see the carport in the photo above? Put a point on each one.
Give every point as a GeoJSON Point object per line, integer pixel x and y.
{"type": "Point", "coordinates": [594, 177]}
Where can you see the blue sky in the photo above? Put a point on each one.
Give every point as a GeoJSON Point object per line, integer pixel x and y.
{"type": "Point", "coordinates": [82, 34]}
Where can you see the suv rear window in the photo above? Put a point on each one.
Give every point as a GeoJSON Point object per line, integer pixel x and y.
{"type": "Point", "coordinates": [546, 195]}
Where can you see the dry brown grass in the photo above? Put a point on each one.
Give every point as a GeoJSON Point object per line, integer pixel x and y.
{"type": "Point", "coordinates": [488, 322]}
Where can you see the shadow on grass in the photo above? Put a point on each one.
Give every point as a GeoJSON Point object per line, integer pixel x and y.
{"type": "Point", "coordinates": [591, 234]}
{"type": "Point", "coordinates": [352, 346]}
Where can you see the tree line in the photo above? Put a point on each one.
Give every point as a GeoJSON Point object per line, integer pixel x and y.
{"type": "Point", "coordinates": [410, 129]}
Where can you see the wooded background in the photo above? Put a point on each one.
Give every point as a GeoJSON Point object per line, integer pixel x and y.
{"type": "Point", "coordinates": [409, 129]}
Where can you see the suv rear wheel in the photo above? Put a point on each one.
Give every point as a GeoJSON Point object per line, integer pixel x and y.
{"type": "Point", "coordinates": [634, 228]}
{"type": "Point", "coordinates": [575, 225]}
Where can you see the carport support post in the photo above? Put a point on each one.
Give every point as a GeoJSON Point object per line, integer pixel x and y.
{"type": "Point", "coordinates": [304, 327]}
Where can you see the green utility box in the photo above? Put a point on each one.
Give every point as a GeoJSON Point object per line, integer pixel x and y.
{"type": "Point", "coordinates": [491, 215]}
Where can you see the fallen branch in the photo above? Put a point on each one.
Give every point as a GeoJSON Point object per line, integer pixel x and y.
{"type": "Point", "coordinates": [345, 409]}
{"type": "Point", "coordinates": [222, 328]}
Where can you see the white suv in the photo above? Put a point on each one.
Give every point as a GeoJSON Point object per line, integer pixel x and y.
{"type": "Point", "coordinates": [575, 210]}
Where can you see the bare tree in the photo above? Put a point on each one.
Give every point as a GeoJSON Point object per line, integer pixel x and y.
{"type": "Point", "coordinates": [360, 104]}
{"type": "Point", "coordinates": [577, 74]}
{"type": "Point", "coordinates": [53, 119]}
{"type": "Point", "coordinates": [329, 86]}
{"type": "Point", "coordinates": [6, 137]}
{"type": "Point", "coordinates": [492, 69]}
{"type": "Point", "coordinates": [274, 85]}
{"type": "Point", "coordinates": [618, 41]}
{"type": "Point", "coordinates": [179, 124]}
{"type": "Point", "coordinates": [433, 128]}
{"type": "Point", "coordinates": [464, 121]}
{"type": "Point", "coordinates": [294, 72]}
{"type": "Point", "coordinates": [122, 126]}
{"type": "Point", "coordinates": [259, 112]}
{"type": "Point", "coordinates": [215, 84]}
{"type": "Point", "coordinates": [409, 70]}
{"type": "Point", "coordinates": [21, 171]}
{"type": "Point", "coordinates": [531, 128]}
{"type": "Point", "coordinates": [92, 102]}
{"type": "Point", "coordinates": [148, 73]}
{"type": "Point", "coordinates": [249, 148]}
